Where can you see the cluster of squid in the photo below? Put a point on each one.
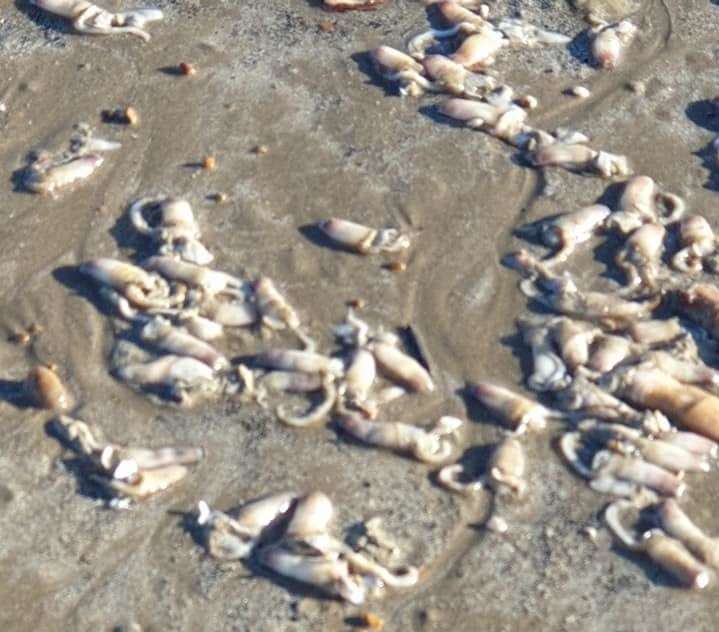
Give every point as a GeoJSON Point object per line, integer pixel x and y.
{"type": "Point", "coordinates": [178, 307]}
{"type": "Point", "coordinates": [479, 100]}
{"type": "Point", "coordinates": [623, 375]}
{"type": "Point", "coordinates": [289, 534]}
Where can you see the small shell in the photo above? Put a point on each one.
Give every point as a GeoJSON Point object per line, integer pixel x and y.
{"type": "Point", "coordinates": [46, 390]}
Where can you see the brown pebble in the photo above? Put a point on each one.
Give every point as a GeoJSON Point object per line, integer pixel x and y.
{"type": "Point", "coordinates": [327, 26]}
{"type": "Point", "coordinates": [209, 163]}
{"type": "Point", "coordinates": [44, 387]}
{"type": "Point", "coordinates": [372, 621]}
{"type": "Point", "coordinates": [260, 150]}
{"type": "Point", "coordinates": [187, 69]}
{"type": "Point", "coordinates": [35, 330]}
{"type": "Point", "coordinates": [219, 197]}
{"type": "Point", "coordinates": [132, 118]}
{"type": "Point", "coordinates": [19, 338]}
{"type": "Point", "coordinates": [357, 303]}
{"type": "Point", "coordinates": [396, 266]}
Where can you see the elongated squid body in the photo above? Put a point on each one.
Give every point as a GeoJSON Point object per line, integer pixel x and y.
{"type": "Point", "coordinates": [700, 303]}
{"type": "Point", "coordinates": [521, 33]}
{"type": "Point", "coordinates": [302, 361]}
{"type": "Point", "coordinates": [698, 241]}
{"type": "Point", "coordinates": [653, 332]}
{"type": "Point", "coordinates": [319, 413]}
{"type": "Point", "coordinates": [394, 65]}
{"type": "Point", "coordinates": [677, 524]}
{"type": "Point", "coordinates": [88, 18]}
{"type": "Point", "coordinates": [640, 257]}
{"type": "Point", "coordinates": [690, 407]}
{"type": "Point", "coordinates": [352, 5]}
{"type": "Point", "coordinates": [400, 367]}
{"type": "Point", "coordinates": [587, 397]}
{"type": "Point", "coordinates": [182, 376]}
{"type": "Point", "coordinates": [479, 49]}
{"type": "Point", "coordinates": [455, 79]}
{"type": "Point", "coordinates": [274, 309]}
{"type": "Point", "coordinates": [428, 446]}
{"type": "Point", "coordinates": [138, 287]}
{"type": "Point", "coordinates": [613, 473]}
{"type": "Point", "coordinates": [626, 440]}
{"type": "Point", "coordinates": [163, 335]}
{"type": "Point", "coordinates": [505, 122]}
{"type": "Point", "coordinates": [211, 282]}
{"type": "Point", "coordinates": [47, 176]}
{"type": "Point", "coordinates": [573, 339]}
{"type": "Point", "coordinates": [518, 412]}
{"type": "Point", "coordinates": [608, 351]}
{"type": "Point", "coordinates": [669, 553]}
{"type": "Point", "coordinates": [233, 538]}
{"type": "Point", "coordinates": [580, 158]}
{"type": "Point", "coordinates": [505, 471]}
{"type": "Point", "coordinates": [685, 371]}
{"type": "Point", "coordinates": [643, 202]}
{"type": "Point", "coordinates": [363, 239]}
{"type": "Point", "coordinates": [566, 231]}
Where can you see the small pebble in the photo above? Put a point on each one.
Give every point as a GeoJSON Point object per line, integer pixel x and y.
{"type": "Point", "coordinates": [396, 266]}
{"type": "Point", "coordinates": [581, 92]}
{"type": "Point", "coordinates": [637, 87]}
{"type": "Point", "coordinates": [357, 303]}
{"type": "Point", "coordinates": [209, 163]}
{"type": "Point", "coordinates": [260, 150]}
{"type": "Point", "coordinates": [497, 524]}
{"type": "Point", "coordinates": [371, 621]}
{"type": "Point", "coordinates": [327, 26]}
{"type": "Point", "coordinates": [187, 69]}
{"type": "Point", "coordinates": [218, 198]}
{"type": "Point", "coordinates": [19, 338]}
{"type": "Point", "coordinates": [132, 118]}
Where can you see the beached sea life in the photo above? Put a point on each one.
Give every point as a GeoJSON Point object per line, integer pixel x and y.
{"type": "Point", "coordinates": [173, 227]}
{"type": "Point", "coordinates": [478, 50]}
{"type": "Point", "coordinates": [667, 552]}
{"type": "Point", "coordinates": [211, 282]}
{"type": "Point", "coordinates": [505, 471]}
{"type": "Point", "coordinates": [518, 412]}
{"type": "Point", "coordinates": [549, 371]}
{"type": "Point", "coordinates": [643, 202]}
{"type": "Point", "coordinates": [698, 241]}
{"type": "Point", "coordinates": [455, 79]}
{"type": "Point", "coordinates": [652, 332]}
{"type": "Point", "coordinates": [352, 5]}
{"type": "Point", "coordinates": [640, 257]}
{"type": "Point", "coordinates": [566, 231]}
{"type": "Point", "coordinates": [700, 303]}
{"type": "Point", "coordinates": [177, 341]}
{"type": "Point", "coordinates": [505, 122]}
{"type": "Point", "coordinates": [521, 33]}
{"type": "Point", "coordinates": [183, 379]}
{"type": "Point", "coordinates": [363, 239]}
{"type": "Point", "coordinates": [614, 473]}
{"type": "Point", "coordinates": [688, 406]}
{"type": "Point", "coordinates": [580, 158]}
{"type": "Point", "coordinates": [573, 339]}
{"type": "Point", "coordinates": [133, 473]}
{"type": "Point", "coordinates": [609, 41]}
{"type": "Point", "coordinates": [140, 288]}
{"type": "Point", "coordinates": [45, 389]}
{"type": "Point", "coordinates": [395, 65]}
{"type": "Point", "coordinates": [677, 524]}
{"type": "Point", "coordinates": [234, 537]}
{"type": "Point", "coordinates": [90, 19]}
{"type": "Point", "coordinates": [429, 446]}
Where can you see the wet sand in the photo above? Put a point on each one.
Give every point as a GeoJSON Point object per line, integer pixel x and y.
{"type": "Point", "coordinates": [340, 143]}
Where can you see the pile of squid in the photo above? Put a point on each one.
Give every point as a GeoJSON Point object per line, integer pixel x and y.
{"type": "Point", "coordinates": [623, 371]}
{"type": "Point", "coordinates": [176, 306]}
{"type": "Point", "coordinates": [288, 533]}
{"type": "Point", "coordinates": [480, 101]}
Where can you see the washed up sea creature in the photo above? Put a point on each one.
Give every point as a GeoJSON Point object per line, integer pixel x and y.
{"type": "Point", "coordinates": [90, 19]}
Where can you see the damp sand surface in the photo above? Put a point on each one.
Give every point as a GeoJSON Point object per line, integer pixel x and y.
{"type": "Point", "coordinates": [339, 143]}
